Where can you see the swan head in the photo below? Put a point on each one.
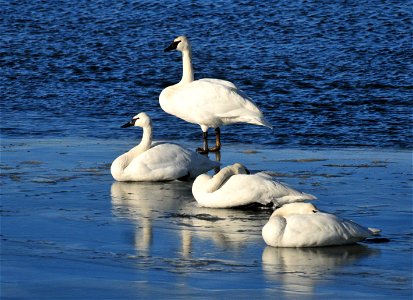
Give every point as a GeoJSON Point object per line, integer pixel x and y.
{"type": "Point", "coordinates": [180, 43]}
{"type": "Point", "coordinates": [295, 208]}
{"type": "Point", "coordinates": [142, 120]}
{"type": "Point", "coordinates": [240, 169]}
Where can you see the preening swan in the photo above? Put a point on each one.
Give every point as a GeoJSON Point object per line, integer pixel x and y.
{"type": "Point", "coordinates": [207, 102]}
{"type": "Point", "coordinates": [157, 161]}
{"type": "Point", "coordinates": [233, 186]}
{"type": "Point", "coordinates": [302, 225]}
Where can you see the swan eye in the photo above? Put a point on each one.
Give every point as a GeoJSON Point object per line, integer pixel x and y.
{"type": "Point", "coordinates": [314, 211]}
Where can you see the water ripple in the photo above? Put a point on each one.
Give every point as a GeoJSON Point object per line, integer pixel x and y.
{"type": "Point", "coordinates": [325, 74]}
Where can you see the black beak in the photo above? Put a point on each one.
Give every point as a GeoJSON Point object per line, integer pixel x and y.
{"type": "Point", "coordinates": [172, 46]}
{"type": "Point", "coordinates": [129, 124]}
{"type": "Point", "coordinates": [247, 171]}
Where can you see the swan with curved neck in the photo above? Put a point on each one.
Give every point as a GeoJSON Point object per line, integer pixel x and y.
{"type": "Point", "coordinates": [208, 102]}
{"type": "Point", "coordinates": [157, 161]}
{"type": "Point", "coordinates": [303, 225]}
{"type": "Point", "coordinates": [234, 186]}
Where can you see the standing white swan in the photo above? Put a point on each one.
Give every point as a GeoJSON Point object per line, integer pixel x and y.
{"type": "Point", "coordinates": [302, 225]}
{"type": "Point", "coordinates": [157, 161]}
{"type": "Point", "coordinates": [233, 186]}
{"type": "Point", "coordinates": [207, 102]}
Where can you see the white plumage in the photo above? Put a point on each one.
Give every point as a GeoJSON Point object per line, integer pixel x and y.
{"type": "Point", "coordinates": [208, 102]}
{"type": "Point", "coordinates": [157, 161]}
{"type": "Point", "coordinates": [234, 187]}
{"type": "Point", "coordinates": [302, 225]}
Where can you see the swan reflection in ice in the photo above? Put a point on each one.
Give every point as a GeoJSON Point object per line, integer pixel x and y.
{"type": "Point", "coordinates": [171, 209]}
{"type": "Point", "coordinates": [298, 270]}
{"type": "Point", "coordinates": [228, 229]}
{"type": "Point", "coordinates": [143, 202]}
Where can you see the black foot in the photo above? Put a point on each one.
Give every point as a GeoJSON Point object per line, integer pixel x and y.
{"type": "Point", "coordinates": [202, 151]}
{"type": "Point", "coordinates": [215, 149]}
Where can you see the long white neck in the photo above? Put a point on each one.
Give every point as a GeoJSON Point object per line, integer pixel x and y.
{"type": "Point", "coordinates": [219, 179]}
{"type": "Point", "coordinates": [123, 161]}
{"type": "Point", "coordinates": [145, 143]}
{"type": "Point", "coordinates": [187, 69]}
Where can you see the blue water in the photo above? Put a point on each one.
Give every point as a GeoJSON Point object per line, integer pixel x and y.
{"type": "Point", "coordinates": [325, 74]}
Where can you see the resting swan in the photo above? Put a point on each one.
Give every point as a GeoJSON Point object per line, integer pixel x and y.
{"type": "Point", "coordinates": [302, 225]}
{"type": "Point", "coordinates": [207, 102]}
{"type": "Point", "coordinates": [233, 186]}
{"type": "Point", "coordinates": [157, 161]}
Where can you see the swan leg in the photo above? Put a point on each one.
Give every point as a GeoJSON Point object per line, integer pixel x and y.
{"type": "Point", "coordinates": [205, 141]}
{"type": "Point", "coordinates": [217, 140]}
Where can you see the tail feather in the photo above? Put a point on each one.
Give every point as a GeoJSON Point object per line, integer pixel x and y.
{"type": "Point", "coordinates": [295, 197]}
{"type": "Point", "coordinates": [374, 231]}
{"type": "Point", "coordinates": [260, 121]}
{"type": "Point", "coordinates": [309, 196]}
{"type": "Point", "coordinates": [266, 123]}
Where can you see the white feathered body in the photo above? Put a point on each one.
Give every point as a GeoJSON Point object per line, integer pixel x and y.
{"type": "Point", "coordinates": [245, 189]}
{"type": "Point", "coordinates": [210, 103]}
{"type": "Point", "coordinates": [312, 230]}
{"type": "Point", "coordinates": [161, 162]}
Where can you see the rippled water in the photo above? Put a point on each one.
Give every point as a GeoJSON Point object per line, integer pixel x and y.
{"type": "Point", "coordinates": [324, 73]}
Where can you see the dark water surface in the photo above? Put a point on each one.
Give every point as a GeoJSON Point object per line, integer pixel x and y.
{"type": "Point", "coordinates": [324, 73]}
